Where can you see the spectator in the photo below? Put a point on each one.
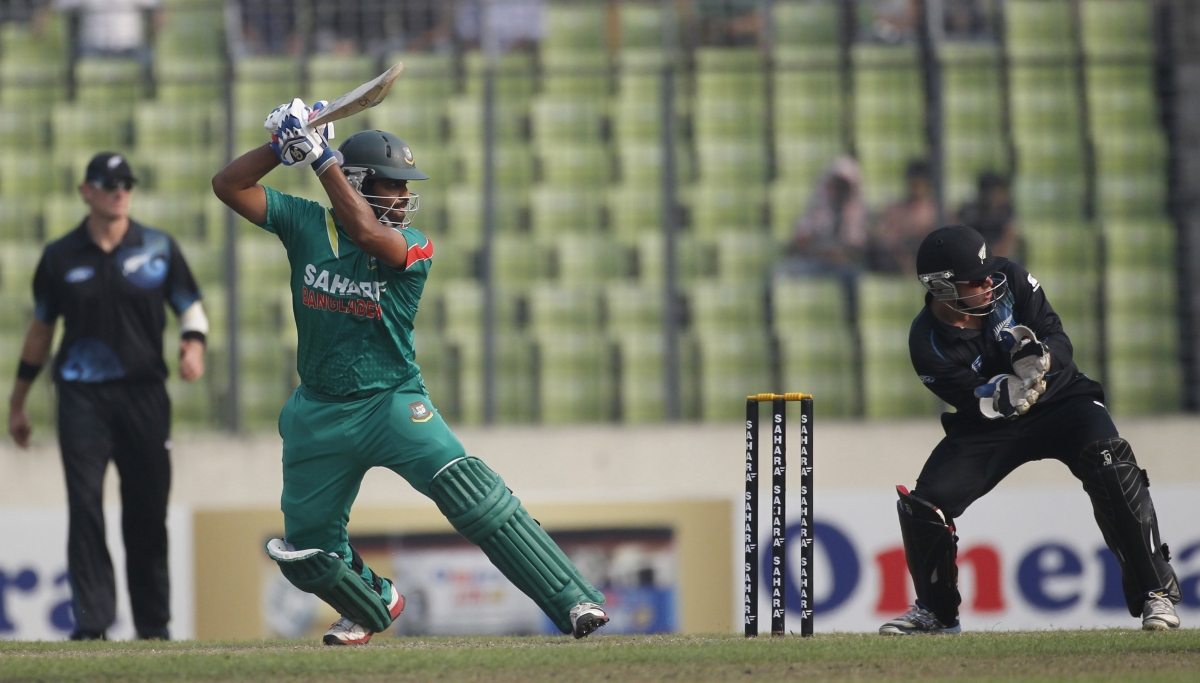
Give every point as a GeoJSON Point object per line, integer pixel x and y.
{"type": "Point", "coordinates": [992, 215]}
{"type": "Point", "coordinates": [110, 27]}
{"type": "Point", "coordinates": [907, 222]}
{"type": "Point", "coordinates": [832, 233]}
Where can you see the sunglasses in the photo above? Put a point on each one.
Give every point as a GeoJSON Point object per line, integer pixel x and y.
{"type": "Point", "coordinates": [112, 185]}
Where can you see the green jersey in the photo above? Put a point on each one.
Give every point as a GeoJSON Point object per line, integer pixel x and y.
{"type": "Point", "coordinates": [354, 315]}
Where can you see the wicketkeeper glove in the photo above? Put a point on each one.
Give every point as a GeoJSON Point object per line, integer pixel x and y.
{"type": "Point", "coordinates": [296, 143]}
{"type": "Point", "coordinates": [1005, 396]}
{"type": "Point", "coordinates": [1030, 357]}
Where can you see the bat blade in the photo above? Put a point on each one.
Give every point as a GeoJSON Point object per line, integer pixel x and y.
{"type": "Point", "coordinates": [361, 98]}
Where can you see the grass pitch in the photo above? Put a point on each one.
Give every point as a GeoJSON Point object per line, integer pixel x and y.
{"type": "Point", "coordinates": [1109, 655]}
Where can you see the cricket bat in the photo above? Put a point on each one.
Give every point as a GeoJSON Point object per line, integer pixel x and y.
{"type": "Point", "coordinates": [361, 98]}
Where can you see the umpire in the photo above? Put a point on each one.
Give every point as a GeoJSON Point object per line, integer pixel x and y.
{"type": "Point", "coordinates": [109, 280]}
{"type": "Point", "coordinates": [989, 344]}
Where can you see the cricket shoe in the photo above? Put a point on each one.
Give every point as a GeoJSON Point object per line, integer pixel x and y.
{"type": "Point", "coordinates": [586, 617]}
{"type": "Point", "coordinates": [346, 632]}
{"type": "Point", "coordinates": [917, 620]}
{"type": "Point", "coordinates": [1158, 613]}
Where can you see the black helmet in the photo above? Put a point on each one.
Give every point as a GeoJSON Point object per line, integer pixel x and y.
{"type": "Point", "coordinates": [957, 253]}
{"type": "Point", "coordinates": [380, 155]}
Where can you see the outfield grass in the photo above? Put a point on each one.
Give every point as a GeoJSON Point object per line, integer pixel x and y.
{"type": "Point", "coordinates": [1109, 655]}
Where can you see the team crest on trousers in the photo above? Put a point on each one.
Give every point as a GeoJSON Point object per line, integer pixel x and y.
{"type": "Point", "coordinates": [420, 412]}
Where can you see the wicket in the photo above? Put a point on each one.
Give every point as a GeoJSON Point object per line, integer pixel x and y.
{"type": "Point", "coordinates": [778, 512]}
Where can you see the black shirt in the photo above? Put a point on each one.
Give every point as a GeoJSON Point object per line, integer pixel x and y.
{"type": "Point", "coordinates": [953, 361]}
{"type": "Point", "coordinates": [112, 303]}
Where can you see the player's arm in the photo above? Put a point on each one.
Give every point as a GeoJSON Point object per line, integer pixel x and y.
{"type": "Point", "coordinates": [953, 382]}
{"type": "Point", "coordinates": [1036, 313]}
{"type": "Point", "coordinates": [34, 355]}
{"type": "Point", "coordinates": [237, 184]}
{"type": "Point", "coordinates": [358, 220]}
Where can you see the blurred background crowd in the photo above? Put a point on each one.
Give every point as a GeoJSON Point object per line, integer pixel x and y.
{"type": "Point", "coordinates": [643, 210]}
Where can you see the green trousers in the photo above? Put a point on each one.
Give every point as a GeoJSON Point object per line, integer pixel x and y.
{"type": "Point", "coordinates": [330, 443]}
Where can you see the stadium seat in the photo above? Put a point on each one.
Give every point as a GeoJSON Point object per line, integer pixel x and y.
{"type": "Point", "coordinates": [181, 215]}
{"type": "Point", "coordinates": [557, 308]}
{"type": "Point", "coordinates": [641, 25]}
{"type": "Point", "coordinates": [693, 259]}
{"type": "Point", "coordinates": [1042, 195]}
{"type": "Point", "coordinates": [29, 177]}
{"type": "Point", "coordinates": [518, 262]}
{"type": "Point", "coordinates": [190, 80]}
{"type": "Point", "coordinates": [1140, 241]}
{"type": "Point", "coordinates": [1039, 29]}
{"type": "Point", "coordinates": [820, 361]}
{"type": "Point", "coordinates": [800, 303]}
{"type": "Point", "coordinates": [428, 76]}
{"type": "Point", "coordinates": [514, 76]}
{"type": "Point", "coordinates": [744, 257]}
{"type": "Point", "coordinates": [728, 118]}
{"type": "Point", "coordinates": [184, 170]}
{"type": "Point", "coordinates": [564, 120]}
{"type": "Point", "coordinates": [514, 163]}
{"type": "Point", "coordinates": [806, 23]}
{"type": "Point", "coordinates": [634, 209]}
{"type": "Point", "coordinates": [633, 307]}
{"type": "Point", "coordinates": [464, 211]}
{"type": "Point", "coordinates": [716, 208]}
{"type": "Point", "coordinates": [574, 377]}
{"type": "Point", "coordinates": [572, 75]}
{"type": "Point", "coordinates": [463, 301]}
{"type": "Point", "coordinates": [1054, 245]}
{"type": "Point", "coordinates": [723, 307]}
{"type": "Point", "coordinates": [641, 389]}
{"type": "Point", "coordinates": [109, 80]}
{"type": "Point", "coordinates": [466, 119]}
{"type": "Point", "coordinates": [574, 27]}
{"type": "Point", "coordinates": [1120, 30]}
{"type": "Point", "coordinates": [788, 200]}
{"type": "Point", "coordinates": [157, 125]}
{"type": "Point", "coordinates": [587, 260]}
{"type": "Point", "coordinates": [555, 210]}
{"type": "Point", "coordinates": [1140, 290]}
{"type": "Point", "coordinates": [800, 160]}
{"type": "Point", "coordinates": [515, 377]}
{"type": "Point", "coordinates": [419, 122]}
{"type": "Point", "coordinates": [20, 219]}
{"type": "Point", "coordinates": [62, 213]}
{"type": "Point", "coordinates": [583, 165]}
{"type": "Point", "coordinates": [732, 364]}
{"type": "Point", "coordinates": [77, 126]}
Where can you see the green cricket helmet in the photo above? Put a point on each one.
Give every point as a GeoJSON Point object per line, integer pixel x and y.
{"type": "Point", "coordinates": [382, 154]}
{"type": "Point", "coordinates": [373, 155]}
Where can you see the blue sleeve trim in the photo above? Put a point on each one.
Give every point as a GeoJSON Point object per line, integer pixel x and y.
{"type": "Point", "coordinates": [41, 310]}
{"type": "Point", "coordinates": [935, 348]}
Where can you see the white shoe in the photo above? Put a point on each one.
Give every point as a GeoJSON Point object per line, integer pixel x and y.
{"type": "Point", "coordinates": [346, 632]}
{"type": "Point", "coordinates": [586, 617]}
{"type": "Point", "coordinates": [1158, 613]}
{"type": "Point", "coordinates": [917, 620]}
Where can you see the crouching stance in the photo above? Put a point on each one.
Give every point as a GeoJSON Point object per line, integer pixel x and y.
{"type": "Point", "coordinates": [989, 344]}
{"type": "Point", "coordinates": [358, 271]}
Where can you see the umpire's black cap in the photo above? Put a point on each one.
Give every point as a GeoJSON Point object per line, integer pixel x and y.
{"type": "Point", "coordinates": [108, 169]}
{"type": "Point", "coordinates": [960, 250]}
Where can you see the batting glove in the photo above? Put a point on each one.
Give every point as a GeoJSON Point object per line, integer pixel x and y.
{"type": "Point", "coordinates": [1030, 357]}
{"type": "Point", "coordinates": [297, 144]}
{"type": "Point", "coordinates": [1005, 396]}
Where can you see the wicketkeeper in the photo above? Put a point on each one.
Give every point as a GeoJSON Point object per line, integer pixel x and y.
{"type": "Point", "coordinates": [358, 270]}
{"type": "Point", "coordinates": [989, 344]}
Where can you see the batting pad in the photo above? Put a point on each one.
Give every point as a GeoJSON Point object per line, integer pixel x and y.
{"type": "Point", "coordinates": [329, 578]}
{"type": "Point", "coordinates": [482, 509]}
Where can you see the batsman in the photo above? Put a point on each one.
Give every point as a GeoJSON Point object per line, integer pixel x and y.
{"type": "Point", "coordinates": [357, 273]}
{"type": "Point", "coordinates": [989, 344]}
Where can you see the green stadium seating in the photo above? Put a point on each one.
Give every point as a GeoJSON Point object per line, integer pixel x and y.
{"type": "Point", "coordinates": [887, 306]}
{"type": "Point", "coordinates": [157, 125]}
{"type": "Point", "coordinates": [514, 379]}
{"type": "Point", "coordinates": [26, 177]}
{"type": "Point", "coordinates": [464, 210]}
{"type": "Point", "coordinates": [641, 395]}
{"type": "Point", "coordinates": [732, 162]}
{"type": "Point", "coordinates": [1144, 386]}
{"type": "Point", "coordinates": [91, 127]}
{"type": "Point", "coordinates": [555, 210]}
{"type": "Point", "coordinates": [801, 303]}
{"type": "Point", "coordinates": [634, 210]}
{"type": "Point", "coordinates": [640, 162]}
{"type": "Point", "coordinates": [744, 257]}
{"type": "Point", "coordinates": [580, 76]}
{"type": "Point", "coordinates": [717, 118]}
{"type": "Point", "coordinates": [190, 32]}
{"type": "Point", "coordinates": [729, 73]}
{"type": "Point", "coordinates": [883, 161]}
{"type": "Point", "coordinates": [801, 160]}
{"type": "Point", "coordinates": [427, 76]}
{"type": "Point", "coordinates": [694, 259]}
{"type": "Point", "coordinates": [62, 213]}
{"type": "Point", "coordinates": [574, 27]}
{"type": "Point", "coordinates": [26, 129]}
{"type": "Point", "coordinates": [556, 308]}
{"type": "Point", "coordinates": [574, 377]}
{"type": "Point", "coordinates": [183, 170]}
{"type": "Point", "coordinates": [268, 81]}
{"type": "Point", "coordinates": [514, 76]}
{"type": "Point", "coordinates": [33, 64]}
{"type": "Point", "coordinates": [466, 119]}
{"type": "Point", "coordinates": [732, 364]}
{"type": "Point", "coordinates": [513, 164]}
{"type": "Point", "coordinates": [1140, 290]}
{"type": "Point", "coordinates": [1131, 195]}
{"type": "Point", "coordinates": [1053, 246]}
{"type": "Point", "coordinates": [1039, 30]}
{"type": "Point", "coordinates": [788, 200]}
{"type": "Point", "coordinates": [583, 165]}
{"type": "Point", "coordinates": [418, 122]}
{"type": "Point", "coordinates": [20, 218]}
{"type": "Point", "coordinates": [806, 23]}
{"type": "Point", "coordinates": [1117, 29]}
{"type": "Point", "coordinates": [518, 262]}
{"type": "Point", "coordinates": [820, 361]}
{"type": "Point", "coordinates": [1043, 195]}
{"type": "Point", "coordinates": [109, 80]}
{"type": "Point", "coordinates": [718, 207]}
{"type": "Point", "coordinates": [1140, 241]}
{"type": "Point", "coordinates": [641, 25]}
{"type": "Point", "coordinates": [727, 307]}
{"type": "Point", "coordinates": [633, 307]}
{"type": "Point", "coordinates": [191, 80]}
{"type": "Point", "coordinates": [587, 260]}
{"type": "Point", "coordinates": [184, 216]}
{"type": "Point", "coordinates": [562, 120]}
{"type": "Point", "coordinates": [463, 301]}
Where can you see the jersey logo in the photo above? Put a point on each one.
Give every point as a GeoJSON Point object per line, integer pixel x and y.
{"type": "Point", "coordinates": [80, 274]}
{"type": "Point", "coordinates": [983, 253]}
{"type": "Point", "coordinates": [1033, 281]}
{"type": "Point", "coordinates": [420, 412]}
{"type": "Point", "coordinates": [331, 231]}
{"type": "Point", "coordinates": [926, 379]}
{"type": "Point", "coordinates": [419, 253]}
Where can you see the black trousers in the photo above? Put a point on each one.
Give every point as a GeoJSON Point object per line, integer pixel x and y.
{"type": "Point", "coordinates": [975, 455]}
{"type": "Point", "coordinates": [129, 425]}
